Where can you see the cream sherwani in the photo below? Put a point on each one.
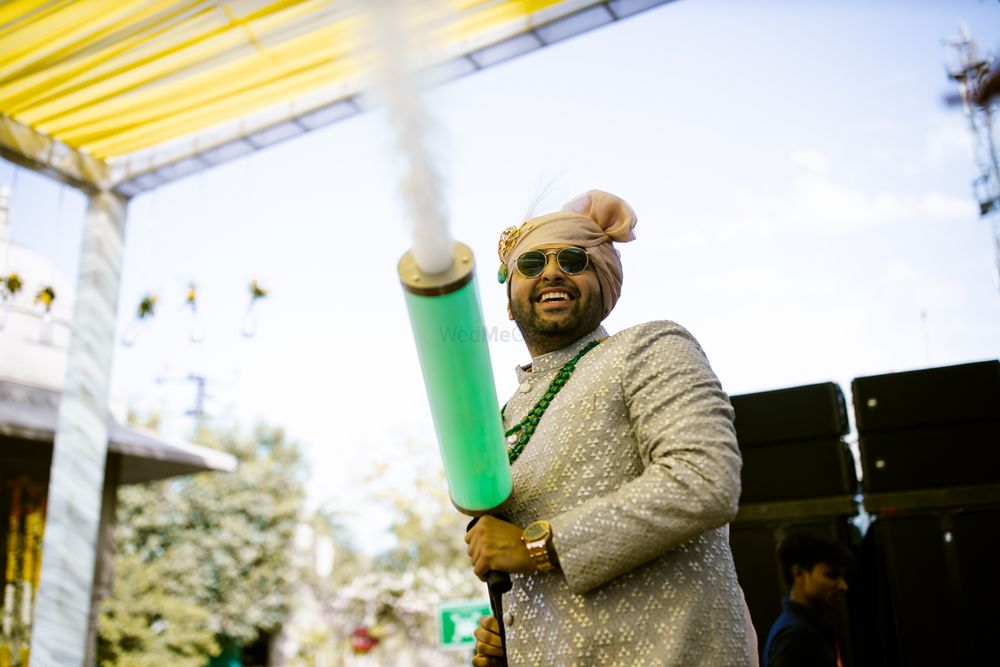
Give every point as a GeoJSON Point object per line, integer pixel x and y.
{"type": "Point", "coordinates": [635, 464]}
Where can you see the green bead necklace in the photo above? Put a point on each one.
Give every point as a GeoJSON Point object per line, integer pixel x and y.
{"type": "Point", "coordinates": [519, 435]}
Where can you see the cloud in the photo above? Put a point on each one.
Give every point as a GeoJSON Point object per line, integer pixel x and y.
{"type": "Point", "coordinates": [821, 203]}
{"type": "Point", "coordinates": [948, 141]}
{"type": "Point", "coordinates": [939, 206]}
{"type": "Point", "coordinates": [900, 271]}
{"type": "Point", "coordinates": [812, 160]}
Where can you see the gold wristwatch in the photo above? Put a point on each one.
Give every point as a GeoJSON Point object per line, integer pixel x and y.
{"type": "Point", "coordinates": [536, 537]}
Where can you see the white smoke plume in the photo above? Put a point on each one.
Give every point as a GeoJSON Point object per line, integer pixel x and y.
{"type": "Point", "coordinates": [400, 40]}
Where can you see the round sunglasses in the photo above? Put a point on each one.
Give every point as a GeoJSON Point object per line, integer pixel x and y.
{"type": "Point", "coordinates": [571, 261]}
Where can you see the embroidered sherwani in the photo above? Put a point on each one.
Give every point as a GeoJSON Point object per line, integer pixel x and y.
{"type": "Point", "coordinates": [635, 464]}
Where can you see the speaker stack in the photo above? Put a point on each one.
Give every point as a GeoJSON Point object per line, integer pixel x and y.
{"type": "Point", "coordinates": [930, 453]}
{"type": "Point", "coordinates": [798, 476]}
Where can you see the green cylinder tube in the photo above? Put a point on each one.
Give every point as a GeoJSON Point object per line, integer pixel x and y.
{"type": "Point", "coordinates": [450, 335]}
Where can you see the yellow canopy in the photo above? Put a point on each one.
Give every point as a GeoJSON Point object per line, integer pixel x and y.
{"type": "Point", "coordinates": [107, 92]}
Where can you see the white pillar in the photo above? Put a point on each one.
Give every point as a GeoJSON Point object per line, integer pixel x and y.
{"type": "Point", "coordinates": [59, 633]}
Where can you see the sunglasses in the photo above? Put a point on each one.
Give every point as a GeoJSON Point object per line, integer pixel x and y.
{"type": "Point", "coordinates": [571, 261]}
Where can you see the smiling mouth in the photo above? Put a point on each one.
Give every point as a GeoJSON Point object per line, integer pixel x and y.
{"type": "Point", "coordinates": [555, 297]}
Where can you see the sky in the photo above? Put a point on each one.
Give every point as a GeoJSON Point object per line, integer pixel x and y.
{"type": "Point", "coordinates": [803, 197]}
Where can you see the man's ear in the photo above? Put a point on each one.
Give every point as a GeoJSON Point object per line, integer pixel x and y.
{"type": "Point", "coordinates": [797, 571]}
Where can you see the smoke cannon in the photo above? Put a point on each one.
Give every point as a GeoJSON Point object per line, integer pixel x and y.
{"type": "Point", "coordinates": [459, 380]}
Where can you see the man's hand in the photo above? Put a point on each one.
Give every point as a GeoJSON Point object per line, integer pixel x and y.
{"type": "Point", "coordinates": [489, 648]}
{"type": "Point", "coordinates": [496, 545]}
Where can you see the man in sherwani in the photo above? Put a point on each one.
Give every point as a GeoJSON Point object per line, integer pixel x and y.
{"type": "Point", "coordinates": [625, 465]}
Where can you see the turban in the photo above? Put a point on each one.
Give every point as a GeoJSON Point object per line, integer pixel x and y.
{"type": "Point", "coordinates": [591, 221]}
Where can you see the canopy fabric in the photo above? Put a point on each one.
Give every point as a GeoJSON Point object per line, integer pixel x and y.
{"type": "Point", "coordinates": [93, 82]}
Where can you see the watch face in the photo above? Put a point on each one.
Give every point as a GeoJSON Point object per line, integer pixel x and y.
{"type": "Point", "coordinates": [536, 531]}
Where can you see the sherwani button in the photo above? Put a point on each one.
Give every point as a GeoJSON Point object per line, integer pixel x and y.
{"type": "Point", "coordinates": [525, 387]}
{"type": "Point", "coordinates": [508, 619]}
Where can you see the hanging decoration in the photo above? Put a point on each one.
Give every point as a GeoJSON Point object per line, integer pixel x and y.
{"type": "Point", "coordinates": [250, 319]}
{"type": "Point", "coordinates": [24, 526]}
{"type": "Point", "coordinates": [145, 312]}
{"type": "Point", "coordinates": [147, 309]}
{"type": "Point", "coordinates": [46, 296]}
{"type": "Point", "coordinates": [9, 287]}
{"type": "Point", "coordinates": [12, 284]}
{"type": "Point", "coordinates": [197, 332]}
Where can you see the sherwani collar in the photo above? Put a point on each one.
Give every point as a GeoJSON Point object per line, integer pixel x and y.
{"type": "Point", "coordinates": [556, 358]}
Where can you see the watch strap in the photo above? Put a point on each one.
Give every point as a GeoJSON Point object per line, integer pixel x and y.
{"type": "Point", "coordinates": [538, 550]}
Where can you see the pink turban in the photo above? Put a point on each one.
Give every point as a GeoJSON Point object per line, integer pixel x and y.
{"type": "Point", "coordinates": [591, 221]}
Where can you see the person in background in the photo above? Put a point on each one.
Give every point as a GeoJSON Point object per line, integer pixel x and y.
{"type": "Point", "coordinates": [815, 570]}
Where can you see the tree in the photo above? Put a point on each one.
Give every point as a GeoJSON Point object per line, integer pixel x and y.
{"type": "Point", "coordinates": [142, 625]}
{"type": "Point", "coordinates": [218, 543]}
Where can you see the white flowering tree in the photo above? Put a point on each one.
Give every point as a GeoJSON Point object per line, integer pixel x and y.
{"type": "Point", "coordinates": [205, 561]}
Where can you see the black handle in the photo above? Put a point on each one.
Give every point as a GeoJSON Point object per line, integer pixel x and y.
{"type": "Point", "coordinates": [497, 583]}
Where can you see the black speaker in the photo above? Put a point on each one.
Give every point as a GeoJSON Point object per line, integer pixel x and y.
{"type": "Point", "coordinates": [811, 412]}
{"type": "Point", "coordinates": [798, 470]}
{"type": "Point", "coordinates": [754, 555]}
{"type": "Point", "coordinates": [931, 457]}
{"type": "Point", "coordinates": [928, 397]}
{"type": "Point", "coordinates": [929, 592]}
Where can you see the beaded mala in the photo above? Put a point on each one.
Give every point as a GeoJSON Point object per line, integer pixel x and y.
{"type": "Point", "coordinates": [519, 434]}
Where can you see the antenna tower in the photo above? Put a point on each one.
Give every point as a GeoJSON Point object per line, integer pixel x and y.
{"type": "Point", "coordinates": [970, 72]}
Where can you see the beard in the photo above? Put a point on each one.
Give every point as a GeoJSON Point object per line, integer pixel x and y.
{"type": "Point", "coordinates": [555, 331]}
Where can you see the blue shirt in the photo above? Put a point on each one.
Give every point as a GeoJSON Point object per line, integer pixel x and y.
{"type": "Point", "coordinates": [800, 638]}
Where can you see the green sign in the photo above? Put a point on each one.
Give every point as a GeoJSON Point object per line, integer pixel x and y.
{"type": "Point", "coordinates": [458, 619]}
